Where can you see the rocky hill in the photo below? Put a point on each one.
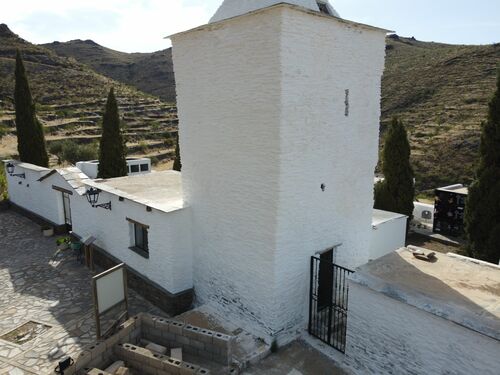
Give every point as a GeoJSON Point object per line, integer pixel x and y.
{"type": "Point", "coordinates": [70, 97]}
{"type": "Point", "coordinates": [441, 92]}
{"type": "Point", "coordinates": [149, 72]}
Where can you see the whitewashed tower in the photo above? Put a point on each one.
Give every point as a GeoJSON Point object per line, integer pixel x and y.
{"type": "Point", "coordinates": [279, 107]}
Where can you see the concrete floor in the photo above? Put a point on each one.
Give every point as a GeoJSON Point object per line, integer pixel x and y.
{"type": "Point", "coordinates": [298, 358]}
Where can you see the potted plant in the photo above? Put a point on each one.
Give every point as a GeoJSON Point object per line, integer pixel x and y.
{"type": "Point", "coordinates": [63, 243]}
{"type": "Point", "coordinates": [47, 231]}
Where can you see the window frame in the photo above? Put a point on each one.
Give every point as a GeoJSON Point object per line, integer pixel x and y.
{"type": "Point", "coordinates": [142, 247]}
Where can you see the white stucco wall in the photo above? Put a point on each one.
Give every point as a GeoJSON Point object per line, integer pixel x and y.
{"type": "Point", "coordinates": [37, 196]}
{"type": "Point", "coordinates": [262, 126]}
{"type": "Point", "coordinates": [170, 257]}
{"type": "Point", "coordinates": [387, 236]}
{"type": "Point", "coordinates": [385, 336]}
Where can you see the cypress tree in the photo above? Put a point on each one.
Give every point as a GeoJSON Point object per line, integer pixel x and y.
{"type": "Point", "coordinates": [397, 191]}
{"type": "Point", "coordinates": [30, 138]}
{"type": "Point", "coordinates": [482, 211]}
{"type": "Point", "coordinates": [112, 150]}
{"type": "Point", "coordinates": [177, 162]}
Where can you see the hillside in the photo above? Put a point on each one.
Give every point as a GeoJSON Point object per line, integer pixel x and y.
{"type": "Point", "coordinates": [70, 97]}
{"type": "Point", "coordinates": [441, 92]}
{"type": "Point", "coordinates": [150, 72]}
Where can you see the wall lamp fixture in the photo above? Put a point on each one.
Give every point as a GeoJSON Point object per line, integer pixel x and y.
{"type": "Point", "coordinates": [93, 197]}
{"type": "Point", "coordinates": [10, 170]}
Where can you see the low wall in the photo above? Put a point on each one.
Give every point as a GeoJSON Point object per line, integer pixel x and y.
{"type": "Point", "coordinates": [386, 336]}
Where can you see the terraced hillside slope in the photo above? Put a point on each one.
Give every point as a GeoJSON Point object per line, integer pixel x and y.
{"type": "Point", "coordinates": [441, 92]}
{"type": "Point", "coordinates": [70, 98]}
{"type": "Point", "coordinates": [149, 72]}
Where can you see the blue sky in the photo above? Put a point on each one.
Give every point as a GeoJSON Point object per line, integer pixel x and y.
{"type": "Point", "coordinates": [140, 25]}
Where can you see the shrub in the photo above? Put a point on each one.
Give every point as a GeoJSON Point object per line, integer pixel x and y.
{"type": "Point", "coordinates": [3, 185]}
{"type": "Point", "coordinates": [72, 152]}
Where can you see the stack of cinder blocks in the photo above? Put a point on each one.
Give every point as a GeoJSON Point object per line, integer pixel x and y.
{"type": "Point", "coordinates": [152, 363]}
{"type": "Point", "coordinates": [197, 341]}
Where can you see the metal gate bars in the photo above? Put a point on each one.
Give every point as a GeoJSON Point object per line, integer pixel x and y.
{"type": "Point", "coordinates": [328, 301]}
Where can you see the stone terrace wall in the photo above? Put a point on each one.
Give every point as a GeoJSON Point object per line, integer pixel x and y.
{"type": "Point", "coordinates": [385, 336]}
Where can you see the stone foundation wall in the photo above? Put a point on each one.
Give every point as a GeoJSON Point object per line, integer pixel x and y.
{"type": "Point", "coordinates": [58, 229]}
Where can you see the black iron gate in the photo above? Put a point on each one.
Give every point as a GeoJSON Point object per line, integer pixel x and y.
{"type": "Point", "coordinates": [328, 301]}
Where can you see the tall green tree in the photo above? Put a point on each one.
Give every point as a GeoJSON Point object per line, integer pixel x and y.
{"type": "Point", "coordinates": [112, 150]}
{"type": "Point", "coordinates": [482, 211]}
{"type": "Point", "coordinates": [30, 137]}
{"type": "Point", "coordinates": [397, 191]}
{"type": "Point", "coordinates": [177, 161]}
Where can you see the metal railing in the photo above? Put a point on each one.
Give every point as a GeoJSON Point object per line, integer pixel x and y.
{"type": "Point", "coordinates": [328, 302]}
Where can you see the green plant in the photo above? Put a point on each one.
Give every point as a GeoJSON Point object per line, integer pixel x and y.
{"type": "Point", "coordinates": [143, 147]}
{"type": "Point", "coordinates": [482, 212]}
{"type": "Point", "coordinates": [63, 240]}
{"type": "Point", "coordinates": [112, 150]}
{"type": "Point", "coordinates": [177, 162]}
{"type": "Point", "coordinates": [73, 152]}
{"type": "Point", "coordinates": [397, 191]}
{"type": "Point", "coordinates": [3, 185]}
{"type": "Point", "coordinates": [30, 137]}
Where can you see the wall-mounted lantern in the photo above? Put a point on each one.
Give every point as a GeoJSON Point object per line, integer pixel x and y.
{"type": "Point", "coordinates": [10, 170]}
{"type": "Point", "coordinates": [93, 197]}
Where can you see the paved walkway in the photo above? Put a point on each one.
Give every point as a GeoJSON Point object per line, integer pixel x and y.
{"type": "Point", "coordinates": [55, 292]}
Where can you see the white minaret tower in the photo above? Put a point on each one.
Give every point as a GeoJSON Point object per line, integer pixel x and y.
{"type": "Point", "coordinates": [279, 106]}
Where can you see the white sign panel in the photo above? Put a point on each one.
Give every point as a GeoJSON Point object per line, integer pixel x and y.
{"type": "Point", "coordinates": [110, 289]}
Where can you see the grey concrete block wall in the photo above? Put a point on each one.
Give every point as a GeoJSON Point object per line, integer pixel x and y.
{"type": "Point", "coordinates": [211, 345]}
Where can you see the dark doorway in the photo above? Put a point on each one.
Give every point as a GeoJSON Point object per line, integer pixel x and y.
{"type": "Point", "coordinates": [328, 300]}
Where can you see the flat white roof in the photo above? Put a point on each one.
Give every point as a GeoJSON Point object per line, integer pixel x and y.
{"type": "Point", "coordinates": [463, 290]}
{"type": "Point", "coordinates": [380, 216]}
{"type": "Point", "coordinates": [458, 188]}
{"type": "Point", "coordinates": [159, 190]}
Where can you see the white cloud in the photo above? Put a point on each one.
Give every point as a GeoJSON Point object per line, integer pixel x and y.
{"type": "Point", "coordinates": [125, 25]}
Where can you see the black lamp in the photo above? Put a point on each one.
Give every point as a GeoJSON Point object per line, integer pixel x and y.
{"type": "Point", "coordinates": [10, 171]}
{"type": "Point", "coordinates": [93, 197]}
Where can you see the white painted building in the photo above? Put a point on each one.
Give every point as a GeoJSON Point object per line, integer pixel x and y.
{"type": "Point", "coordinates": [279, 112]}
{"type": "Point", "coordinates": [135, 166]}
{"type": "Point", "coordinates": [388, 233]}
{"type": "Point", "coordinates": [409, 316]}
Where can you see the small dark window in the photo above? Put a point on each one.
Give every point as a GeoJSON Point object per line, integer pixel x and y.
{"type": "Point", "coordinates": [134, 168]}
{"type": "Point", "coordinates": [141, 238]}
{"type": "Point", "coordinates": [323, 8]}
{"type": "Point", "coordinates": [144, 167]}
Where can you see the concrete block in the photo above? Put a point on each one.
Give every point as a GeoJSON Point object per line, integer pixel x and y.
{"type": "Point", "coordinates": [123, 371]}
{"type": "Point", "coordinates": [202, 371]}
{"type": "Point", "coordinates": [96, 371]}
{"type": "Point", "coordinates": [156, 348]}
{"type": "Point", "coordinates": [176, 327]}
{"type": "Point", "coordinates": [115, 366]}
{"type": "Point", "coordinates": [172, 365]}
{"type": "Point", "coordinates": [148, 320]}
{"type": "Point", "coordinates": [96, 349]}
{"type": "Point", "coordinates": [206, 336]}
{"type": "Point", "coordinates": [162, 323]}
{"type": "Point", "coordinates": [182, 340]}
{"type": "Point", "coordinates": [168, 336]}
{"type": "Point", "coordinates": [220, 340]}
{"type": "Point", "coordinates": [82, 360]}
{"type": "Point", "coordinates": [191, 331]}
{"type": "Point", "coordinates": [196, 344]}
{"type": "Point", "coordinates": [188, 368]}
{"type": "Point", "coordinates": [176, 353]}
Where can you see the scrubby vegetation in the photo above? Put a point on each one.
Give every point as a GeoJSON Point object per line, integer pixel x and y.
{"type": "Point", "coordinates": [482, 216]}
